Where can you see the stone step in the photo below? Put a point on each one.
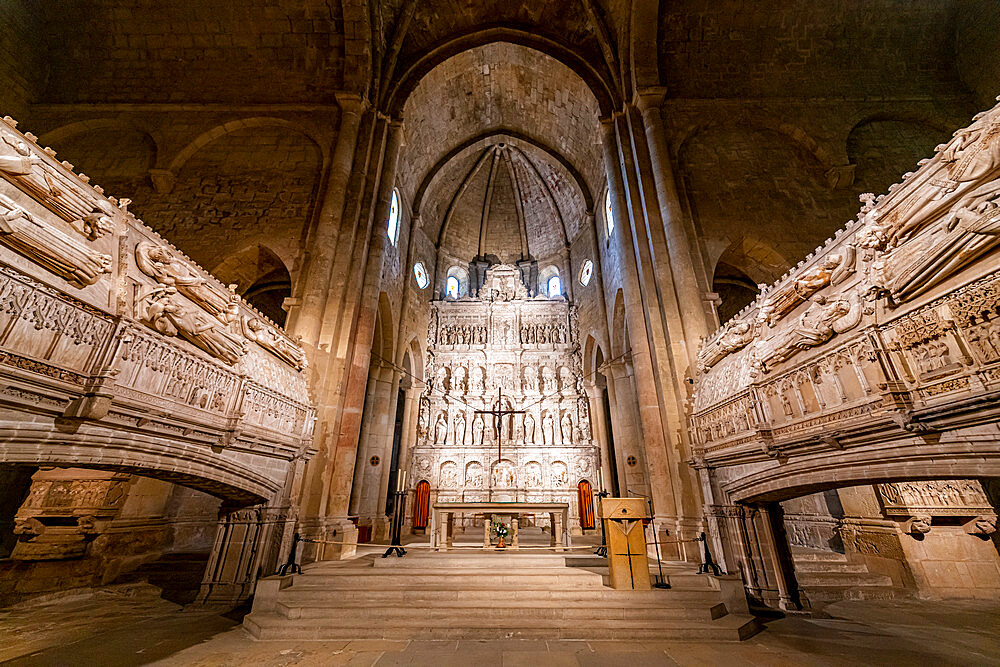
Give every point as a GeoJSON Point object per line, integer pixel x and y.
{"type": "Point", "coordinates": [494, 612]}
{"type": "Point", "coordinates": [824, 594]}
{"type": "Point", "coordinates": [271, 626]}
{"type": "Point", "coordinates": [842, 580]}
{"type": "Point", "coordinates": [472, 560]}
{"type": "Point", "coordinates": [603, 596]}
{"type": "Point", "coordinates": [804, 555]}
{"type": "Point", "coordinates": [528, 578]}
{"type": "Point", "coordinates": [831, 566]}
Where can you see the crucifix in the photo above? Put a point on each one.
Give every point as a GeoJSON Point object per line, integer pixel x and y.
{"type": "Point", "coordinates": [499, 413]}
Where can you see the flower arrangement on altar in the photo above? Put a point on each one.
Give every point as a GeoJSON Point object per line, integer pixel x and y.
{"type": "Point", "coordinates": [500, 530]}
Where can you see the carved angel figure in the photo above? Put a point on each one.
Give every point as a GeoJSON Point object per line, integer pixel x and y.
{"type": "Point", "coordinates": [159, 263]}
{"type": "Point", "coordinates": [50, 247]}
{"type": "Point", "coordinates": [172, 315]}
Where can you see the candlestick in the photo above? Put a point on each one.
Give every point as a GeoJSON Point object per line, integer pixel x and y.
{"type": "Point", "coordinates": [400, 480]}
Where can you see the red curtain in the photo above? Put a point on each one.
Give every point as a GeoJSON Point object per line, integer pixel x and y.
{"type": "Point", "coordinates": [421, 504]}
{"type": "Point", "coordinates": [586, 501]}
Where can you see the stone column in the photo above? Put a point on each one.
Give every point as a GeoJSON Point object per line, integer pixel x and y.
{"type": "Point", "coordinates": [306, 318]}
{"type": "Point", "coordinates": [566, 269]}
{"type": "Point", "coordinates": [690, 296]}
{"type": "Point", "coordinates": [776, 547]}
{"type": "Point", "coordinates": [356, 370]}
{"type": "Point", "coordinates": [653, 433]}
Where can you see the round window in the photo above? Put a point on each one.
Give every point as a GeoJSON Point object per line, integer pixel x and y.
{"type": "Point", "coordinates": [420, 273]}
{"type": "Point", "coordinates": [586, 272]}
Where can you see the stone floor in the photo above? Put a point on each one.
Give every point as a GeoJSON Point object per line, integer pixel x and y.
{"type": "Point", "coordinates": [130, 625]}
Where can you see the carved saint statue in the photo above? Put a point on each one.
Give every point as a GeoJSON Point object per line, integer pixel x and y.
{"type": "Point", "coordinates": [529, 429]}
{"type": "Point", "coordinates": [158, 262]}
{"type": "Point", "coordinates": [477, 430]}
{"type": "Point", "coordinates": [460, 428]}
{"type": "Point", "coordinates": [474, 475]}
{"type": "Point", "coordinates": [566, 383]}
{"type": "Point", "coordinates": [566, 428]}
{"type": "Point", "coordinates": [530, 380]}
{"type": "Point", "coordinates": [560, 475]}
{"type": "Point", "coordinates": [449, 475]}
{"type": "Point", "coordinates": [172, 315]}
{"type": "Point", "coordinates": [442, 379]}
{"type": "Point", "coordinates": [533, 475]}
{"type": "Point", "coordinates": [458, 381]}
{"type": "Point", "coordinates": [423, 417]}
{"type": "Point", "coordinates": [441, 429]}
{"type": "Point", "coordinates": [548, 381]}
{"type": "Point", "coordinates": [50, 247]}
{"type": "Point", "coordinates": [478, 383]}
{"type": "Point", "coordinates": [548, 429]}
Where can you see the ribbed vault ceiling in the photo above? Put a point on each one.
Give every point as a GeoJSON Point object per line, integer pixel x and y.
{"type": "Point", "coordinates": [503, 198]}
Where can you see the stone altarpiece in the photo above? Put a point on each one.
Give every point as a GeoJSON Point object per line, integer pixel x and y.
{"type": "Point", "coordinates": [502, 341]}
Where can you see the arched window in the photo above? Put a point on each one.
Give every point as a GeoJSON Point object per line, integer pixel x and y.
{"type": "Point", "coordinates": [609, 217]}
{"type": "Point", "coordinates": [554, 286]}
{"type": "Point", "coordinates": [392, 225]}
{"type": "Point", "coordinates": [456, 283]}
{"type": "Point", "coordinates": [420, 274]}
{"type": "Point", "coordinates": [586, 272]}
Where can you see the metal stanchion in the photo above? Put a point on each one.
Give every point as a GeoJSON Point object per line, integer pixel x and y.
{"type": "Point", "coordinates": [397, 517]}
{"type": "Point", "coordinates": [708, 564]}
{"type": "Point", "coordinates": [602, 550]}
{"type": "Point", "coordinates": [291, 566]}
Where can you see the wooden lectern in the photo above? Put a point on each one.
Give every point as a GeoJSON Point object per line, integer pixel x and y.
{"type": "Point", "coordinates": [626, 540]}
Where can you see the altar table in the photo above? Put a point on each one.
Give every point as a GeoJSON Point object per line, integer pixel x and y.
{"type": "Point", "coordinates": [442, 521]}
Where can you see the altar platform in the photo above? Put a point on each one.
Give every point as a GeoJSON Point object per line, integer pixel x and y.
{"type": "Point", "coordinates": [442, 521]}
{"type": "Point", "coordinates": [477, 594]}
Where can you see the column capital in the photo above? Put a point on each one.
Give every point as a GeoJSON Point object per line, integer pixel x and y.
{"type": "Point", "coordinates": [649, 99]}
{"type": "Point", "coordinates": [350, 102]}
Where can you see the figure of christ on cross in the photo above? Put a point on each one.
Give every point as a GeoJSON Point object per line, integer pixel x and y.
{"type": "Point", "coordinates": [499, 413]}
